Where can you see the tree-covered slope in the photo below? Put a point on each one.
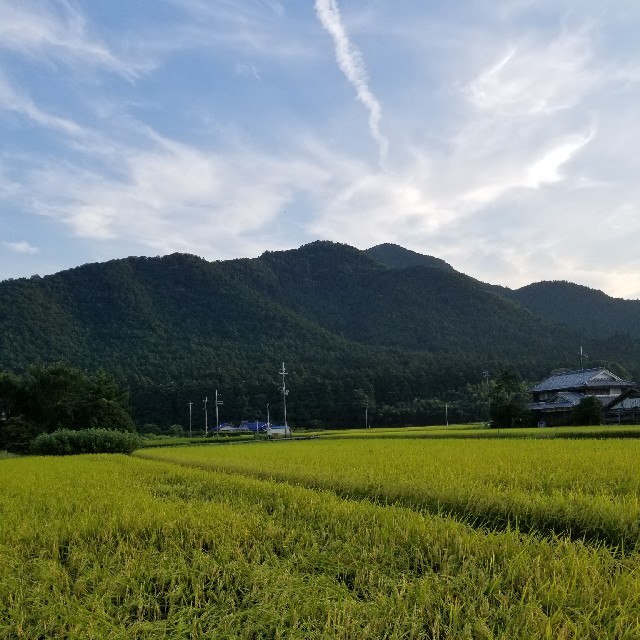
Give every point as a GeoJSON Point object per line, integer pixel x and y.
{"type": "Point", "coordinates": [155, 318]}
{"type": "Point", "coordinates": [351, 329]}
{"type": "Point", "coordinates": [581, 307]}
{"type": "Point", "coordinates": [416, 308]}
{"type": "Point", "coordinates": [396, 256]}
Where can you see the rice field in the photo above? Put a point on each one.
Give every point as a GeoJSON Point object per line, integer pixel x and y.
{"type": "Point", "coordinates": [581, 488]}
{"type": "Point", "coordinates": [321, 539]}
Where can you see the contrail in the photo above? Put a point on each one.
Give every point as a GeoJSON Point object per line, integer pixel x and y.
{"type": "Point", "coordinates": [350, 62]}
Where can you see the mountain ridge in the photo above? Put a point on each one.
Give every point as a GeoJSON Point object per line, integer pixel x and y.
{"type": "Point", "coordinates": [351, 326]}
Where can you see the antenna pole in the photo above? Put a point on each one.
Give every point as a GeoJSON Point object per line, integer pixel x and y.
{"type": "Point", "coordinates": [206, 422]}
{"type": "Point", "coordinates": [190, 408]}
{"type": "Point", "coordinates": [582, 356]}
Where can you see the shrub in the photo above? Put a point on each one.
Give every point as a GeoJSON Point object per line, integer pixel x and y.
{"type": "Point", "coordinates": [175, 430]}
{"type": "Point", "coordinates": [588, 411]}
{"type": "Point", "coordinates": [65, 442]}
{"type": "Point", "coordinates": [16, 434]}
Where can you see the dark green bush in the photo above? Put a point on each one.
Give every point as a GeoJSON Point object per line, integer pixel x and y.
{"type": "Point", "coordinates": [588, 411]}
{"type": "Point", "coordinates": [65, 442]}
{"type": "Point", "coordinates": [16, 434]}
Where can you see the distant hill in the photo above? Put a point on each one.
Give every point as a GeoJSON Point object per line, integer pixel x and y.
{"type": "Point", "coordinates": [396, 256]}
{"type": "Point", "coordinates": [352, 330]}
{"type": "Point", "coordinates": [581, 307]}
{"type": "Point", "coordinates": [574, 305]}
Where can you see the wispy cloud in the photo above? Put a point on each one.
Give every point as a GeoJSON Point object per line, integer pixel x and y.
{"type": "Point", "coordinates": [56, 31]}
{"type": "Point", "coordinates": [247, 70]}
{"type": "Point", "coordinates": [547, 169]}
{"type": "Point", "coordinates": [175, 197]}
{"type": "Point", "coordinates": [535, 77]}
{"type": "Point", "coordinates": [350, 62]}
{"type": "Point", "coordinates": [21, 247]}
{"type": "Point", "coordinates": [259, 28]}
{"type": "Point", "coordinates": [11, 99]}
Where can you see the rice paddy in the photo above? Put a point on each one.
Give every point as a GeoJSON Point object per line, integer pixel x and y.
{"type": "Point", "coordinates": [325, 539]}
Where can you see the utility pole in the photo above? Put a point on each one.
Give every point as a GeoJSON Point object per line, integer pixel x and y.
{"type": "Point", "coordinates": [486, 379]}
{"type": "Point", "coordinates": [267, 416]}
{"type": "Point", "coordinates": [190, 407]}
{"type": "Point", "coordinates": [218, 403]}
{"type": "Point", "coordinates": [366, 417]}
{"type": "Point", "coordinates": [283, 373]}
{"type": "Point", "coordinates": [206, 422]}
{"type": "Point", "coordinates": [446, 413]}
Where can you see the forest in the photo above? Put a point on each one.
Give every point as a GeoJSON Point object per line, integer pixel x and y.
{"type": "Point", "coordinates": [388, 335]}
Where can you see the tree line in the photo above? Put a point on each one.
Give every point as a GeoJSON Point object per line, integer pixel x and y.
{"type": "Point", "coordinates": [48, 398]}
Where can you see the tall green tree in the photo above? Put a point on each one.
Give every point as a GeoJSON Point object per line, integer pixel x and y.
{"type": "Point", "coordinates": [58, 396]}
{"type": "Point", "coordinates": [509, 398]}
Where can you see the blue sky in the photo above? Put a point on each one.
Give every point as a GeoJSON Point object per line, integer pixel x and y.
{"type": "Point", "coordinates": [503, 137]}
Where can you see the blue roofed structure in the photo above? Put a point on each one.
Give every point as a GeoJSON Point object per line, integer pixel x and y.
{"type": "Point", "coordinates": [556, 396]}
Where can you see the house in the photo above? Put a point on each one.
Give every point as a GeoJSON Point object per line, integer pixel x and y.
{"type": "Point", "coordinates": [555, 397]}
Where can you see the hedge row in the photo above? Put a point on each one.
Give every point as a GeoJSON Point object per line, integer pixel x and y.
{"type": "Point", "coordinates": [66, 442]}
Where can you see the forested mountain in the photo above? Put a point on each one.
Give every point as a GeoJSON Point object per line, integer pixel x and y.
{"type": "Point", "coordinates": [581, 307]}
{"type": "Point", "coordinates": [353, 331]}
{"type": "Point", "coordinates": [394, 255]}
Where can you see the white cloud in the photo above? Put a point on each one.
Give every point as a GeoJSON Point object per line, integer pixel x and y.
{"type": "Point", "coordinates": [176, 197]}
{"type": "Point", "coordinates": [247, 70]}
{"type": "Point", "coordinates": [350, 62]}
{"type": "Point", "coordinates": [537, 77]}
{"type": "Point", "coordinates": [547, 168]}
{"type": "Point", "coordinates": [21, 247]}
{"type": "Point", "coordinates": [257, 29]}
{"type": "Point", "coordinates": [55, 30]}
{"type": "Point", "coordinates": [13, 100]}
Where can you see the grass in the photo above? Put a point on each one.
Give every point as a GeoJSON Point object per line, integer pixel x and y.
{"type": "Point", "coordinates": [120, 547]}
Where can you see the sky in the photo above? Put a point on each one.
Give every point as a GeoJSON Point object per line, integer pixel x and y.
{"type": "Point", "coordinates": [501, 136]}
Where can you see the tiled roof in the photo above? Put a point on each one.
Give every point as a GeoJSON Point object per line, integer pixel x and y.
{"type": "Point", "coordinates": [570, 396]}
{"type": "Point", "coordinates": [563, 400]}
{"type": "Point", "coordinates": [580, 379]}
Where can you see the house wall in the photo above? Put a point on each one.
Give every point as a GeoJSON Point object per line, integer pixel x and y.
{"type": "Point", "coordinates": [561, 418]}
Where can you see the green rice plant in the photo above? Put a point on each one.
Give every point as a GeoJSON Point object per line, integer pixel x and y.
{"type": "Point", "coordinates": [581, 488]}
{"type": "Point", "coordinates": [476, 430]}
{"type": "Point", "coordinates": [147, 442]}
{"type": "Point", "coordinates": [120, 547]}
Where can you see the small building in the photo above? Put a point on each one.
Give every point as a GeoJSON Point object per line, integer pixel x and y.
{"type": "Point", "coordinates": [228, 428]}
{"type": "Point", "coordinates": [555, 397]}
{"type": "Point", "coordinates": [278, 431]}
{"type": "Point", "coordinates": [253, 425]}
